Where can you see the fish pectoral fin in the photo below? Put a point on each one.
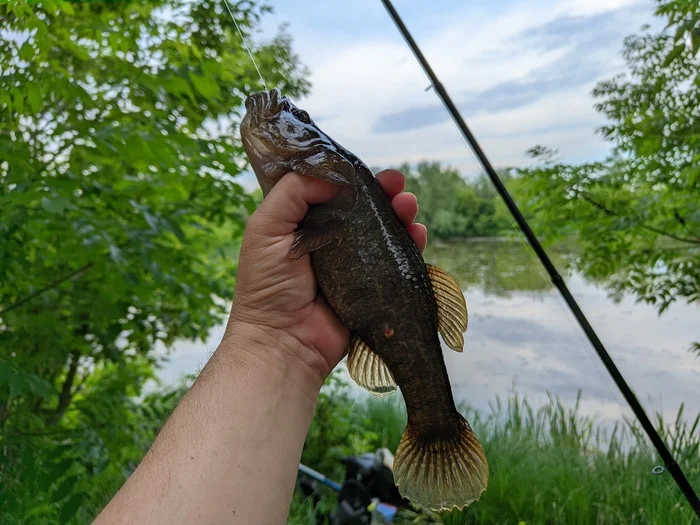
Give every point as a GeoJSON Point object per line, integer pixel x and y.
{"type": "Point", "coordinates": [369, 370]}
{"type": "Point", "coordinates": [326, 165]}
{"type": "Point", "coordinates": [451, 306]}
{"type": "Point", "coordinates": [311, 238]}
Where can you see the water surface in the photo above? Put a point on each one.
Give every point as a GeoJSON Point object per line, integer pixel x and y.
{"type": "Point", "coordinates": [521, 336]}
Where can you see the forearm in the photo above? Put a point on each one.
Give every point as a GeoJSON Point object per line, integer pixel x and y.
{"type": "Point", "coordinates": [231, 449]}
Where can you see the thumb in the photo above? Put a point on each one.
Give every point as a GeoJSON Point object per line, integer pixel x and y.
{"type": "Point", "coordinates": [289, 200]}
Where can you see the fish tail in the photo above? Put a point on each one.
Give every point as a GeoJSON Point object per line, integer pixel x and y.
{"type": "Point", "coordinates": [442, 467]}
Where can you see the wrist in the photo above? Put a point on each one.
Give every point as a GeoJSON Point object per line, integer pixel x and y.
{"type": "Point", "coordinates": [276, 353]}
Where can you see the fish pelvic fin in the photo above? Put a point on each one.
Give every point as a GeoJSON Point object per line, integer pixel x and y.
{"type": "Point", "coordinates": [369, 370]}
{"type": "Point", "coordinates": [441, 469]}
{"type": "Point", "coordinates": [451, 306]}
{"type": "Point", "coordinates": [311, 238]}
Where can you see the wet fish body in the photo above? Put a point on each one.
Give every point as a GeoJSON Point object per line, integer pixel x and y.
{"type": "Point", "coordinates": [375, 279]}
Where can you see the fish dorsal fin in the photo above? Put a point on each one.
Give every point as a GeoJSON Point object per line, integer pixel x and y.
{"type": "Point", "coordinates": [451, 306]}
{"type": "Point", "coordinates": [368, 370]}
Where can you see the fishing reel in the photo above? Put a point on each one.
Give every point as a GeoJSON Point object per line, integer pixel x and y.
{"type": "Point", "coordinates": [368, 495]}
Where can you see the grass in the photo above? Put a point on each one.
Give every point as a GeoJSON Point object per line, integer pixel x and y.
{"type": "Point", "coordinates": [548, 465]}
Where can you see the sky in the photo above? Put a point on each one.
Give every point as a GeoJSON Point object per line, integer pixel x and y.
{"type": "Point", "coordinates": [521, 71]}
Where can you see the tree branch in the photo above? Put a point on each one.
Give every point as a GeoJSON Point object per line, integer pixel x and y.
{"type": "Point", "coordinates": [4, 410]}
{"type": "Point", "coordinates": [66, 395]}
{"type": "Point", "coordinates": [50, 286]}
{"type": "Point", "coordinates": [608, 211]}
{"type": "Point", "coordinates": [59, 431]}
{"type": "Point", "coordinates": [682, 221]}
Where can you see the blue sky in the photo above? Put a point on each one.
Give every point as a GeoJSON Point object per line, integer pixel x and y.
{"type": "Point", "coordinates": [520, 70]}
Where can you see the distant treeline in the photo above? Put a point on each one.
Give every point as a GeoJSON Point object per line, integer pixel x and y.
{"type": "Point", "coordinates": [453, 206]}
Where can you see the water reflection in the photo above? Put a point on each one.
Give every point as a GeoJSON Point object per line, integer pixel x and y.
{"type": "Point", "coordinates": [521, 335]}
{"type": "Point", "coordinates": [496, 267]}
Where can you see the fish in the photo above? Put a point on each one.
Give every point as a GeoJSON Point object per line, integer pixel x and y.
{"type": "Point", "coordinates": [374, 277]}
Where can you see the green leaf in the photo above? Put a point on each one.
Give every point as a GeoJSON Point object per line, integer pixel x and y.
{"type": "Point", "coordinates": [26, 52]}
{"type": "Point", "coordinates": [178, 86]}
{"type": "Point", "coordinates": [67, 8]}
{"type": "Point", "coordinates": [6, 370]}
{"type": "Point", "coordinates": [55, 205]}
{"type": "Point", "coordinates": [37, 385]}
{"type": "Point", "coordinates": [114, 40]}
{"type": "Point", "coordinates": [18, 98]}
{"type": "Point", "coordinates": [205, 86]}
{"type": "Point", "coordinates": [151, 220]}
{"type": "Point", "coordinates": [674, 54]}
{"type": "Point", "coordinates": [211, 68]}
{"type": "Point", "coordinates": [17, 385]}
{"type": "Point", "coordinates": [116, 254]}
{"type": "Point", "coordinates": [174, 228]}
{"type": "Point", "coordinates": [71, 507]}
{"type": "Point", "coordinates": [183, 49]}
{"type": "Point", "coordinates": [56, 472]}
{"type": "Point", "coordinates": [34, 97]}
{"type": "Point", "coordinates": [50, 7]}
{"type": "Point", "coordinates": [65, 488]}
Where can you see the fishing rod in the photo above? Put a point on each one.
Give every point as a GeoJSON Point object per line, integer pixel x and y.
{"type": "Point", "coordinates": [320, 477]}
{"type": "Point", "coordinates": [668, 459]}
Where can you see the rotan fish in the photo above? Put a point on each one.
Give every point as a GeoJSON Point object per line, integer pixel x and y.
{"type": "Point", "coordinates": [375, 279]}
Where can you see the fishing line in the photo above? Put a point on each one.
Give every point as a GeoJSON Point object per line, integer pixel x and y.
{"type": "Point", "coordinates": [668, 459]}
{"type": "Point", "coordinates": [245, 44]}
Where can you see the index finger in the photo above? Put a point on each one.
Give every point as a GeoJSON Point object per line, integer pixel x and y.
{"type": "Point", "coordinates": [392, 182]}
{"type": "Point", "coordinates": [288, 201]}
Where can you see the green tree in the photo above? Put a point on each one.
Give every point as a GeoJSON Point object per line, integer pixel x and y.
{"type": "Point", "coordinates": [118, 158]}
{"type": "Point", "coordinates": [452, 206]}
{"type": "Point", "coordinates": [636, 213]}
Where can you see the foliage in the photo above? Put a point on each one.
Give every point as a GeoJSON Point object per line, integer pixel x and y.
{"type": "Point", "coordinates": [118, 157]}
{"type": "Point", "coordinates": [636, 213]}
{"type": "Point", "coordinates": [68, 472]}
{"type": "Point", "coordinates": [452, 206]}
{"type": "Point", "coordinates": [684, 17]}
{"type": "Point", "coordinates": [338, 429]}
{"type": "Point", "coordinates": [547, 465]}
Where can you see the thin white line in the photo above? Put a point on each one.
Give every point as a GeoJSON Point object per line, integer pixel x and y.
{"type": "Point", "coordinates": [245, 44]}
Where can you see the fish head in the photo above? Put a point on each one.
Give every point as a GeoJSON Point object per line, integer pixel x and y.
{"type": "Point", "coordinates": [275, 133]}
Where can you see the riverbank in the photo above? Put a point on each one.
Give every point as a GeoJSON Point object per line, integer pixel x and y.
{"type": "Point", "coordinates": [547, 465]}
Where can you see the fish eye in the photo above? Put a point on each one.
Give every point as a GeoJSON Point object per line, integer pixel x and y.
{"type": "Point", "coordinates": [304, 116]}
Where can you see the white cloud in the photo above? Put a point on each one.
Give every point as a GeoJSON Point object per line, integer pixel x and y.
{"type": "Point", "coordinates": [356, 80]}
{"type": "Point", "coordinates": [592, 7]}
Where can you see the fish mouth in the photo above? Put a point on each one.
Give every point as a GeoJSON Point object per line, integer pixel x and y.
{"type": "Point", "coordinates": [261, 107]}
{"type": "Point", "coordinates": [265, 105]}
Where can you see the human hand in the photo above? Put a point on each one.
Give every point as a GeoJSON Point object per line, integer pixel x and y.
{"type": "Point", "coordinates": [276, 297]}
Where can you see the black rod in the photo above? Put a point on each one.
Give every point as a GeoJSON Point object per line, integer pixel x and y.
{"type": "Point", "coordinates": [666, 456]}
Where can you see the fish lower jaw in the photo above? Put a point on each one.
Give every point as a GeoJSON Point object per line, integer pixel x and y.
{"type": "Point", "coordinates": [259, 148]}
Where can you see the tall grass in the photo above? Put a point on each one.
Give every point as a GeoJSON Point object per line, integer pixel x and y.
{"type": "Point", "coordinates": [548, 465]}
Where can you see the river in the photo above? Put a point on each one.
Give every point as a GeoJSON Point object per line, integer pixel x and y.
{"type": "Point", "coordinates": [522, 337]}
